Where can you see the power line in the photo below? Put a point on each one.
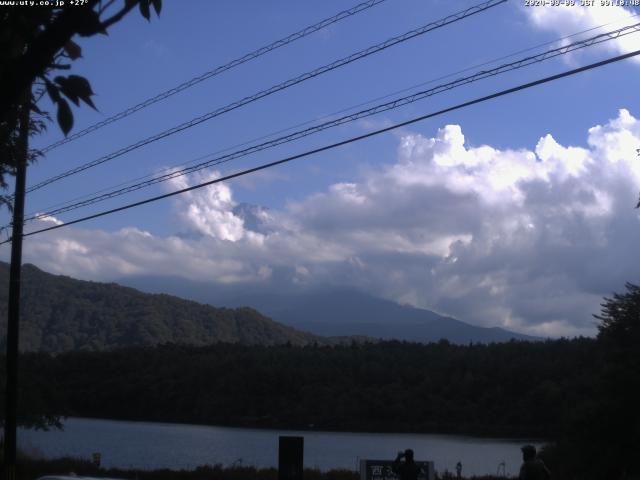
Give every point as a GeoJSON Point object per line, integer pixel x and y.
{"type": "Point", "coordinates": [349, 118]}
{"type": "Point", "coordinates": [218, 70]}
{"type": "Point", "coordinates": [276, 88]}
{"type": "Point", "coordinates": [341, 143]}
{"type": "Point", "coordinates": [36, 215]}
{"type": "Point", "coordinates": [595, 40]}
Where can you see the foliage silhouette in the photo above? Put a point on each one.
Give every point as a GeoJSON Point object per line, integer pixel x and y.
{"type": "Point", "coordinates": [509, 389]}
{"type": "Point", "coordinates": [602, 437]}
{"type": "Point", "coordinates": [35, 42]}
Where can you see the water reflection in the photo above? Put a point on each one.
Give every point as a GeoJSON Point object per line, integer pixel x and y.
{"type": "Point", "coordinates": [176, 446]}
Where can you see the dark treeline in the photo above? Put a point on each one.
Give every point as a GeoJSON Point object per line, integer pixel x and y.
{"type": "Point", "coordinates": [582, 394]}
{"type": "Point", "coordinates": [516, 389]}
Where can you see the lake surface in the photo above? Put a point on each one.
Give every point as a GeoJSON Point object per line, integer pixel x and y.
{"type": "Point", "coordinates": [147, 445]}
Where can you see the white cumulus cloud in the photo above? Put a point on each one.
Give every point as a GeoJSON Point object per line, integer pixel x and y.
{"type": "Point", "coordinates": [565, 20]}
{"type": "Point", "coordinates": [527, 239]}
{"type": "Point", "coordinates": [209, 211]}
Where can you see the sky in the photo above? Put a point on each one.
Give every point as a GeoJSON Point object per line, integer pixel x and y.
{"type": "Point", "coordinates": [517, 212]}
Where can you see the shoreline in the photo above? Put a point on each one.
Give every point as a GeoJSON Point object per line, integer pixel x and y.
{"type": "Point", "coordinates": [448, 433]}
{"type": "Point", "coordinates": [150, 446]}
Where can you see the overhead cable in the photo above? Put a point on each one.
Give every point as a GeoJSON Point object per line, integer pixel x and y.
{"type": "Point", "coordinates": [338, 144]}
{"type": "Point", "coordinates": [276, 88]}
{"type": "Point", "coordinates": [400, 102]}
{"type": "Point", "coordinates": [324, 117]}
{"type": "Point", "coordinates": [218, 70]}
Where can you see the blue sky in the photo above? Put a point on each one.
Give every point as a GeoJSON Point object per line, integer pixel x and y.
{"type": "Point", "coordinates": [516, 212]}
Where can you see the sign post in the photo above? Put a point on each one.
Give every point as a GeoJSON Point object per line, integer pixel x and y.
{"type": "Point", "coordinates": [290, 458]}
{"type": "Point", "coordinates": [381, 470]}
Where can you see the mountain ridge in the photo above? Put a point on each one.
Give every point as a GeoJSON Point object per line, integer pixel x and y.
{"type": "Point", "coordinates": [60, 313]}
{"type": "Point", "coordinates": [335, 311]}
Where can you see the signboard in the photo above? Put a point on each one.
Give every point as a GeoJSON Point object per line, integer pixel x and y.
{"type": "Point", "coordinates": [381, 470]}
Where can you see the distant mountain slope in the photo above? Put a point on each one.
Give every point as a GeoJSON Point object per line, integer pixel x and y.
{"type": "Point", "coordinates": [61, 313]}
{"type": "Point", "coordinates": [335, 312]}
{"type": "Point", "coordinates": [350, 312]}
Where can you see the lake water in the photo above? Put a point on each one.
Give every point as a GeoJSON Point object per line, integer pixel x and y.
{"type": "Point", "coordinates": [177, 446]}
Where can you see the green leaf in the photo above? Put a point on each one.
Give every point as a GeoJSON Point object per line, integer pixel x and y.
{"type": "Point", "coordinates": [73, 50]}
{"type": "Point", "coordinates": [81, 84]}
{"type": "Point", "coordinates": [80, 88]}
{"type": "Point", "coordinates": [66, 89]}
{"type": "Point", "coordinates": [52, 90]}
{"type": "Point", "coordinates": [65, 117]}
{"type": "Point", "coordinates": [157, 5]}
{"type": "Point", "coordinates": [144, 9]}
{"type": "Point", "coordinates": [91, 24]}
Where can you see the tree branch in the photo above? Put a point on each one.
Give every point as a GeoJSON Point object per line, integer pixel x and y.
{"type": "Point", "coordinates": [106, 6]}
{"type": "Point", "coordinates": [24, 70]}
{"type": "Point", "coordinates": [118, 16]}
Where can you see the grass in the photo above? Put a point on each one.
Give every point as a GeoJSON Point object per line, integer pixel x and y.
{"type": "Point", "coordinates": [30, 468]}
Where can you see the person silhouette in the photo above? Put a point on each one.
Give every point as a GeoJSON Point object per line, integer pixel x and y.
{"type": "Point", "coordinates": [532, 467]}
{"type": "Point", "coordinates": [407, 470]}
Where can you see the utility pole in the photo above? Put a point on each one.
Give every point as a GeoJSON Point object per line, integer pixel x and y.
{"type": "Point", "coordinates": [13, 323]}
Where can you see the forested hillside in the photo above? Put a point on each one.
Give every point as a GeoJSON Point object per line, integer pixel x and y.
{"type": "Point", "coordinates": [61, 314]}
{"type": "Point", "coordinates": [517, 388]}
